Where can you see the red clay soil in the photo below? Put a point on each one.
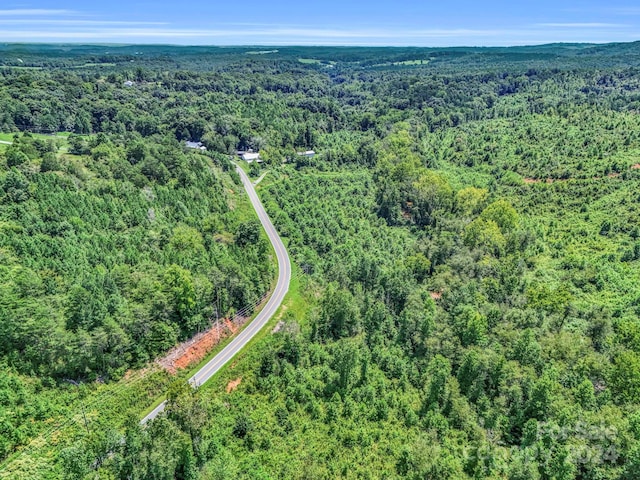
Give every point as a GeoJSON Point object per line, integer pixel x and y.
{"type": "Point", "coordinates": [233, 384]}
{"type": "Point", "coordinates": [194, 350]}
{"type": "Point", "coordinates": [229, 325]}
{"type": "Point", "coordinates": [635, 167]}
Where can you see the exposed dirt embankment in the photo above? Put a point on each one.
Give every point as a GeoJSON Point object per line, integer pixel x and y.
{"type": "Point", "coordinates": [195, 349]}
{"type": "Point", "coordinates": [198, 347]}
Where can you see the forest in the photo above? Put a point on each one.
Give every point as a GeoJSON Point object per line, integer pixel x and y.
{"type": "Point", "coordinates": [465, 242]}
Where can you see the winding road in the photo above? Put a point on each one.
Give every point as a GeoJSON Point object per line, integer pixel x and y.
{"type": "Point", "coordinates": [284, 277]}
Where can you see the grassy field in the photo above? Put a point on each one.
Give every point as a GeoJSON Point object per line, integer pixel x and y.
{"type": "Point", "coordinates": [18, 67]}
{"type": "Point", "coordinates": [60, 137]}
{"type": "Point", "coordinates": [315, 61]}
{"type": "Point", "coordinates": [8, 137]}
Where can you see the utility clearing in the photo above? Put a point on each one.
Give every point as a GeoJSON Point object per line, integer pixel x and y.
{"type": "Point", "coordinates": [195, 349]}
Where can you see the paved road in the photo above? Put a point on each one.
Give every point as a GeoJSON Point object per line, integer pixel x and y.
{"type": "Point", "coordinates": [284, 276]}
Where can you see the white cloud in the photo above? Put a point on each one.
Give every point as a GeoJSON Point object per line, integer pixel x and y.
{"type": "Point", "coordinates": [67, 22]}
{"type": "Point", "coordinates": [296, 35]}
{"type": "Point", "coordinates": [35, 12]}
{"type": "Point", "coordinates": [275, 32]}
{"type": "Point", "coordinates": [582, 25]}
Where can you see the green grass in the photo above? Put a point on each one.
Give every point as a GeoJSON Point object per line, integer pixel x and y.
{"type": "Point", "coordinates": [294, 303]}
{"type": "Point", "coordinates": [315, 61]}
{"type": "Point", "coordinates": [60, 135]}
{"type": "Point", "coordinates": [114, 401]}
{"type": "Point", "coordinates": [18, 67]}
{"type": "Point", "coordinates": [243, 165]}
{"type": "Point", "coordinates": [187, 373]}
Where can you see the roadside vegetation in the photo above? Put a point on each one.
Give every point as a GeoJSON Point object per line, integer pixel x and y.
{"type": "Point", "coordinates": [466, 241]}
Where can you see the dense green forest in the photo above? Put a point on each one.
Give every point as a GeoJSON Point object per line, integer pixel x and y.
{"type": "Point", "coordinates": [466, 242]}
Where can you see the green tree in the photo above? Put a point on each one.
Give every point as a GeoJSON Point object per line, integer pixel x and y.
{"type": "Point", "coordinates": [16, 157]}
{"type": "Point", "coordinates": [503, 214]}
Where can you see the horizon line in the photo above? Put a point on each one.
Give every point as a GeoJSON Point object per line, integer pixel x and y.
{"type": "Point", "coordinates": [310, 45]}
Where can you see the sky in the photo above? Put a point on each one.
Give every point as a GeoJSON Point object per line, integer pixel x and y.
{"type": "Point", "coordinates": [327, 22]}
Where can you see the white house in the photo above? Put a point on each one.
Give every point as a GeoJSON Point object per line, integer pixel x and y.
{"type": "Point", "coordinates": [308, 154]}
{"type": "Point", "coordinates": [250, 157]}
{"type": "Point", "coordinates": [196, 145]}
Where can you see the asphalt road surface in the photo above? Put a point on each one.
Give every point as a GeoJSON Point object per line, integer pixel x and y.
{"type": "Point", "coordinates": [284, 277]}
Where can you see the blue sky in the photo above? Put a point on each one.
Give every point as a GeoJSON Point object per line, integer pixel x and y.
{"type": "Point", "coordinates": [329, 22]}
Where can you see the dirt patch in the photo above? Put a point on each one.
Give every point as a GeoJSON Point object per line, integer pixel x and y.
{"type": "Point", "coordinates": [529, 181]}
{"type": "Point", "coordinates": [635, 167]}
{"type": "Point", "coordinates": [278, 327]}
{"type": "Point", "coordinates": [198, 347]}
{"type": "Point", "coordinates": [283, 308]}
{"type": "Point", "coordinates": [233, 384]}
{"type": "Point", "coordinates": [229, 325]}
{"type": "Point", "coordinates": [435, 295]}
{"type": "Point", "coordinates": [195, 349]}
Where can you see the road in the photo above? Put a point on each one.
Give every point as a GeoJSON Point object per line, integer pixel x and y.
{"type": "Point", "coordinates": [3, 142]}
{"type": "Point", "coordinates": [284, 277]}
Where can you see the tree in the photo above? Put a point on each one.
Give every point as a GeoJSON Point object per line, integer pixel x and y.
{"type": "Point", "coordinates": [485, 234]}
{"type": "Point", "coordinates": [625, 377]}
{"type": "Point", "coordinates": [179, 288]}
{"type": "Point", "coordinates": [16, 186]}
{"type": "Point", "coordinates": [137, 152]}
{"type": "Point", "coordinates": [248, 233]}
{"type": "Point", "coordinates": [429, 194]}
{"type": "Point", "coordinates": [437, 391]}
{"type": "Point", "coordinates": [470, 200]}
{"type": "Point", "coordinates": [49, 163]}
{"type": "Point", "coordinates": [417, 321]}
{"type": "Point", "coordinates": [339, 316]}
{"type": "Point", "coordinates": [347, 364]}
{"type": "Point", "coordinates": [471, 326]}
{"type": "Point", "coordinates": [16, 157]}
{"type": "Point", "coordinates": [503, 214]}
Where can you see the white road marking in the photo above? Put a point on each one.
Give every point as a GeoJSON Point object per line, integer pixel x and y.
{"type": "Point", "coordinates": [282, 287]}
